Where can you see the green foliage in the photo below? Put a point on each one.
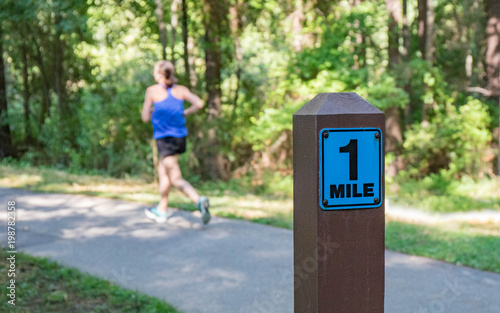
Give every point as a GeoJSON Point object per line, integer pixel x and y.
{"type": "Point", "coordinates": [109, 134]}
{"type": "Point", "coordinates": [452, 144]}
{"type": "Point", "coordinates": [458, 35]}
{"type": "Point", "coordinates": [108, 48]}
{"type": "Point", "coordinates": [384, 93]}
{"type": "Point", "coordinates": [329, 67]}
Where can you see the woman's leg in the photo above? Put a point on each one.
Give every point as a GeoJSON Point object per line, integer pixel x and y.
{"type": "Point", "coordinates": [164, 187]}
{"type": "Point", "coordinates": [171, 164]}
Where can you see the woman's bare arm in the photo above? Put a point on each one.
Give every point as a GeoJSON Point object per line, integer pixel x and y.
{"type": "Point", "coordinates": [147, 108]}
{"type": "Point", "coordinates": [195, 101]}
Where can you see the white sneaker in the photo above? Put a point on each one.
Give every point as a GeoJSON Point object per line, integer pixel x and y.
{"type": "Point", "coordinates": [155, 215]}
{"type": "Point", "coordinates": [203, 206]}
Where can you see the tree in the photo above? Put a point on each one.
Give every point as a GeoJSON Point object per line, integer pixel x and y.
{"type": "Point", "coordinates": [425, 29]}
{"type": "Point", "coordinates": [58, 63]}
{"type": "Point", "coordinates": [185, 40]}
{"type": "Point", "coordinates": [46, 101]}
{"type": "Point", "coordinates": [297, 25]}
{"type": "Point", "coordinates": [394, 133]}
{"type": "Point", "coordinates": [493, 55]}
{"type": "Point", "coordinates": [426, 40]}
{"type": "Point", "coordinates": [493, 46]}
{"type": "Point", "coordinates": [5, 138]}
{"type": "Point", "coordinates": [234, 13]}
{"type": "Point", "coordinates": [394, 11]}
{"type": "Point", "coordinates": [26, 92]}
{"type": "Point", "coordinates": [215, 15]}
{"type": "Point", "coordinates": [174, 22]}
{"type": "Point", "coordinates": [162, 28]}
{"type": "Point", "coordinates": [360, 39]}
{"type": "Point", "coordinates": [406, 59]}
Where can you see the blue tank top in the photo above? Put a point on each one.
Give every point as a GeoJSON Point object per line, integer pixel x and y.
{"type": "Point", "coordinates": [168, 117]}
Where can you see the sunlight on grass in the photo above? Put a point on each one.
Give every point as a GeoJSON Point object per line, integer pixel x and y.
{"type": "Point", "coordinates": [51, 180]}
{"type": "Point", "coordinates": [224, 202]}
{"type": "Point", "coordinates": [436, 194]}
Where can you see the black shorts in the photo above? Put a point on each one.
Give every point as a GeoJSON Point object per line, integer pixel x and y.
{"type": "Point", "coordinates": [168, 146]}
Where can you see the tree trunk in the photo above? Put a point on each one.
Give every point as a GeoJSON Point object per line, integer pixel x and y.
{"type": "Point", "coordinates": [429, 33]}
{"type": "Point", "coordinates": [297, 20]}
{"type": "Point", "coordinates": [236, 30]}
{"type": "Point", "coordinates": [5, 138]}
{"type": "Point", "coordinates": [493, 46]}
{"type": "Point", "coordinates": [425, 29]}
{"type": "Point", "coordinates": [59, 69]}
{"type": "Point", "coordinates": [215, 13]}
{"type": "Point", "coordinates": [26, 93]}
{"type": "Point", "coordinates": [426, 39]}
{"type": "Point", "coordinates": [213, 20]}
{"type": "Point", "coordinates": [394, 139]}
{"type": "Point", "coordinates": [46, 102]}
{"type": "Point", "coordinates": [406, 34]}
{"type": "Point", "coordinates": [468, 45]}
{"type": "Point", "coordinates": [174, 22]}
{"type": "Point", "coordinates": [429, 47]}
{"type": "Point", "coordinates": [406, 60]}
{"type": "Point", "coordinates": [360, 39]}
{"type": "Point", "coordinates": [422, 19]}
{"type": "Point", "coordinates": [476, 41]}
{"type": "Point", "coordinates": [185, 43]}
{"type": "Point", "coordinates": [162, 28]}
{"type": "Point", "coordinates": [394, 133]}
{"type": "Point", "coordinates": [393, 9]}
{"type": "Point", "coordinates": [493, 55]}
{"type": "Point", "coordinates": [193, 78]}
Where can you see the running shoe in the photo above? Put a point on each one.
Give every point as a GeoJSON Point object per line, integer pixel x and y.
{"type": "Point", "coordinates": [155, 215]}
{"type": "Point", "coordinates": [203, 206]}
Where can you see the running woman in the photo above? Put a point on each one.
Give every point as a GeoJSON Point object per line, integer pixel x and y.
{"type": "Point", "coordinates": [164, 106]}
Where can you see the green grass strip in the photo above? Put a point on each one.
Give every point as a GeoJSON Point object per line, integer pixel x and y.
{"type": "Point", "coordinates": [44, 286]}
{"type": "Point", "coordinates": [459, 247]}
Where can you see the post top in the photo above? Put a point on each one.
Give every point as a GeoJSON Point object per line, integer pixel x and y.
{"type": "Point", "coordinates": [337, 103]}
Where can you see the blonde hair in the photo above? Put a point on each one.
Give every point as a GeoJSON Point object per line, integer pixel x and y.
{"type": "Point", "coordinates": [167, 69]}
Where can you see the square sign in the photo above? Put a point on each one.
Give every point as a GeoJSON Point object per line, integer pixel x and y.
{"type": "Point", "coordinates": [350, 168]}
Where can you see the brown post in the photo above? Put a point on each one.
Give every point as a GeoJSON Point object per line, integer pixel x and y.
{"type": "Point", "coordinates": [338, 205]}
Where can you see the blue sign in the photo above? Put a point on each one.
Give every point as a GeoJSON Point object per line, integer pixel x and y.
{"type": "Point", "coordinates": [350, 168]}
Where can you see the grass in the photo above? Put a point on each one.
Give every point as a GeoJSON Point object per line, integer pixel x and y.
{"type": "Point", "coordinates": [468, 244]}
{"type": "Point", "coordinates": [437, 194]}
{"type": "Point", "coordinates": [457, 246]}
{"type": "Point", "coordinates": [44, 286]}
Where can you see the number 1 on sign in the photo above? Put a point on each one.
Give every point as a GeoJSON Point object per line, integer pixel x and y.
{"type": "Point", "coordinates": [352, 149]}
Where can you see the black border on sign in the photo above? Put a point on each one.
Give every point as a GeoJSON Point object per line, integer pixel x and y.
{"type": "Point", "coordinates": [349, 206]}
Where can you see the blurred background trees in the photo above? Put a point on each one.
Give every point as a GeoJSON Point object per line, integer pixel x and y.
{"type": "Point", "coordinates": [74, 75]}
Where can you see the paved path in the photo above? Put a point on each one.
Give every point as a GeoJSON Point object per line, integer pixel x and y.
{"type": "Point", "coordinates": [228, 266]}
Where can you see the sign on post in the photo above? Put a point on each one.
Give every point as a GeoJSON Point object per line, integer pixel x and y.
{"type": "Point", "coordinates": [350, 168]}
{"type": "Point", "coordinates": [338, 214]}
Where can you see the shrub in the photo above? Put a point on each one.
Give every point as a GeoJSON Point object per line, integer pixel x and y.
{"type": "Point", "coordinates": [453, 143]}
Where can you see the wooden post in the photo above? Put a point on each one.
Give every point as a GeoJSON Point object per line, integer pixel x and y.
{"type": "Point", "coordinates": [339, 194]}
